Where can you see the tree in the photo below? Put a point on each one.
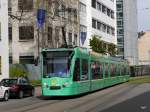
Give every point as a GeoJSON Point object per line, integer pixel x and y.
{"type": "Point", "coordinates": [112, 49]}
{"type": "Point", "coordinates": [140, 34]}
{"type": "Point", "coordinates": [97, 44]}
{"type": "Point", "coordinates": [102, 47]}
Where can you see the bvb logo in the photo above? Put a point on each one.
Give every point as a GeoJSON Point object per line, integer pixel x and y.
{"type": "Point", "coordinates": [53, 82]}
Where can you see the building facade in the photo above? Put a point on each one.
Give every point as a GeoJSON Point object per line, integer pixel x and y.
{"type": "Point", "coordinates": [144, 49]}
{"type": "Point", "coordinates": [127, 30]}
{"type": "Point", "coordinates": [26, 39]}
{"type": "Point", "coordinates": [97, 17]}
{"type": "Point", "coordinates": [4, 64]}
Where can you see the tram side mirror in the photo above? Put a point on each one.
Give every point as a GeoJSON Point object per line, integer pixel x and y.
{"type": "Point", "coordinates": [44, 54]}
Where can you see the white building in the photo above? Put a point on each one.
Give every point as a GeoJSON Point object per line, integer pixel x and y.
{"type": "Point", "coordinates": [127, 30]}
{"type": "Point", "coordinates": [4, 64]}
{"type": "Point", "coordinates": [24, 41]}
{"type": "Point", "coordinates": [97, 17]}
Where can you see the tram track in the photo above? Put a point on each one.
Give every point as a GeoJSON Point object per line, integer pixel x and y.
{"type": "Point", "coordinates": [110, 98]}
{"type": "Point", "coordinates": [36, 105]}
{"type": "Point", "coordinates": [104, 98]}
{"type": "Point", "coordinates": [91, 102]}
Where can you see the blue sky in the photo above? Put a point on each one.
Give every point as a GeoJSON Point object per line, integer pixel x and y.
{"type": "Point", "coordinates": [143, 14]}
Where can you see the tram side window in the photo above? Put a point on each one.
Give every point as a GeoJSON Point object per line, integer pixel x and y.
{"type": "Point", "coordinates": [76, 74]}
{"type": "Point", "coordinates": [106, 70]}
{"type": "Point", "coordinates": [125, 70]}
{"type": "Point", "coordinates": [84, 75]}
{"type": "Point", "coordinates": [128, 71]}
{"type": "Point", "coordinates": [101, 70]}
{"type": "Point", "coordinates": [122, 70]}
{"type": "Point", "coordinates": [119, 70]}
{"type": "Point", "coordinates": [112, 70]}
{"type": "Point", "coordinates": [95, 70]}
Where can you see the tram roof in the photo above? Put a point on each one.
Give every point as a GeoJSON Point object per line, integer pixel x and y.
{"type": "Point", "coordinates": [89, 51]}
{"type": "Point", "coordinates": [58, 49]}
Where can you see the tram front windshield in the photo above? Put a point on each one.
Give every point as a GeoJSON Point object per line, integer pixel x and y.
{"type": "Point", "coordinates": [56, 64]}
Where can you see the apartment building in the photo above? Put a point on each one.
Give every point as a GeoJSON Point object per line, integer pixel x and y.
{"type": "Point", "coordinates": [144, 48]}
{"type": "Point", "coordinates": [97, 17]}
{"type": "Point", "coordinates": [127, 32]}
{"type": "Point", "coordinates": [25, 38]}
{"type": "Point", "coordinates": [4, 64]}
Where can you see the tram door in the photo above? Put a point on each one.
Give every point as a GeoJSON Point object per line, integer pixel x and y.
{"type": "Point", "coordinates": [81, 74]}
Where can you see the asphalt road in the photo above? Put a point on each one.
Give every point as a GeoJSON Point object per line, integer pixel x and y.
{"type": "Point", "coordinates": [120, 98]}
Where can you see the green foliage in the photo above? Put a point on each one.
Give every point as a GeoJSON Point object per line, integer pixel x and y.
{"type": "Point", "coordinates": [100, 46]}
{"type": "Point", "coordinates": [142, 79]}
{"type": "Point", "coordinates": [97, 44]}
{"type": "Point", "coordinates": [112, 49]}
{"type": "Point", "coordinates": [35, 82]}
{"type": "Point", "coordinates": [17, 72]}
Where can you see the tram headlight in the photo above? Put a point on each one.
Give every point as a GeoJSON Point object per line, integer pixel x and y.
{"type": "Point", "coordinates": [65, 84]}
{"type": "Point", "coordinates": [45, 85]}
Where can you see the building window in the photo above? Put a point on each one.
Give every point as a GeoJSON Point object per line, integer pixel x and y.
{"type": "Point", "coordinates": [70, 38]}
{"type": "Point", "coordinates": [108, 30]}
{"type": "Point", "coordinates": [108, 12]}
{"type": "Point", "coordinates": [104, 28]}
{"type": "Point", "coordinates": [75, 39]}
{"type": "Point", "coordinates": [25, 5]}
{"type": "Point", "coordinates": [57, 33]}
{"type": "Point", "coordinates": [119, 14]}
{"type": "Point", "coordinates": [120, 32]}
{"type": "Point", "coordinates": [99, 6]}
{"type": "Point", "coordinates": [119, 6]}
{"type": "Point", "coordinates": [82, 7]}
{"type": "Point", "coordinates": [104, 9]}
{"type": "Point", "coordinates": [93, 3]}
{"type": "Point", "coordinates": [9, 6]}
{"type": "Point", "coordinates": [26, 59]}
{"type": "Point", "coordinates": [26, 32]}
{"type": "Point", "coordinates": [120, 23]}
{"type": "Point", "coordinates": [112, 14]}
{"type": "Point", "coordinates": [10, 33]}
{"type": "Point", "coordinates": [99, 25]}
{"type": "Point", "coordinates": [10, 60]}
{"type": "Point", "coordinates": [94, 23]}
{"type": "Point", "coordinates": [0, 65]}
{"type": "Point", "coordinates": [62, 13]}
{"type": "Point", "coordinates": [50, 34]}
{"type": "Point", "coordinates": [113, 31]}
{"type": "Point", "coordinates": [75, 16]}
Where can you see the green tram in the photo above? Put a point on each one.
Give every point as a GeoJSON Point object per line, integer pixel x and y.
{"type": "Point", "coordinates": [73, 71]}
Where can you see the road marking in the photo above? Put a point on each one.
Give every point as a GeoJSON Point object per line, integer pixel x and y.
{"type": "Point", "coordinates": [143, 107]}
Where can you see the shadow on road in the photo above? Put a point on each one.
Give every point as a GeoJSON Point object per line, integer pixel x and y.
{"type": "Point", "coordinates": [139, 103]}
{"type": "Point", "coordinates": [71, 97]}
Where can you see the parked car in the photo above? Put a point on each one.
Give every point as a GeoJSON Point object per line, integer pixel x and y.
{"type": "Point", "coordinates": [19, 87]}
{"type": "Point", "coordinates": [4, 92]}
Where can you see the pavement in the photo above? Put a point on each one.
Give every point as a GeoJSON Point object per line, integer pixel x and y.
{"type": "Point", "coordinates": [120, 98]}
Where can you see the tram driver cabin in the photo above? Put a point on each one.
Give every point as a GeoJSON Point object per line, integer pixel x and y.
{"type": "Point", "coordinates": [73, 71]}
